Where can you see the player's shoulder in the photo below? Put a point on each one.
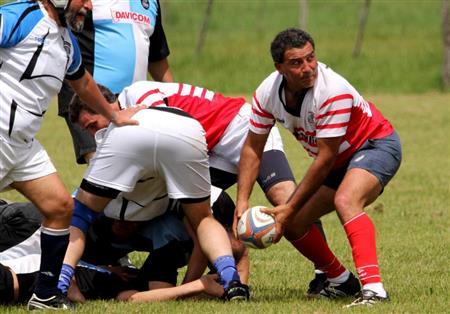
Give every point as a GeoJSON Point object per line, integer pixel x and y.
{"type": "Point", "coordinates": [269, 87]}
{"type": "Point", "coordinates": [18, 19]}
{"type": "Point", "coordinates": [331, 84]}
{"type": "Point", "coordinates": [271, 82]}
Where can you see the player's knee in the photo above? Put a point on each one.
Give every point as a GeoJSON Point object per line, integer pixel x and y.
{"type": "Point", "coordinates": [60, 207]}
{"type": "Point", "coordinates": [342, 201]}
{"type": "Point", "coordinates": [280, 192]}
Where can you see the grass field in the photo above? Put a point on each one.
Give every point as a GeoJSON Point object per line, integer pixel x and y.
{"type": "Point", "coordinates": [412, 219]}
{"type": "Point", "coordinates": [399, 70]}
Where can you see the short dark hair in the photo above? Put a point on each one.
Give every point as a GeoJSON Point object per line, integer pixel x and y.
{"type": "Point", "coordinates": [76, 105]}
{"type": "Point", "coordinates": [289, 38]}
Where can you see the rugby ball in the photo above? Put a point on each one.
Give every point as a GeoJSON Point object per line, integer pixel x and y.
{"type": "Point", "coordinates": [255, 228]}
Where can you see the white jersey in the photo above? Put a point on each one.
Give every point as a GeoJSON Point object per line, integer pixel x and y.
{"type": "Point", "coordinates": [25, 257]}
{"type": "Point", "coordinates": [35, 56]}
{"type": "Point", "coordinates": [163, 157]}
{"type": "Point", "coordinates": [224, 119]}
{"type": "Point", "coordinates": [331, 108]}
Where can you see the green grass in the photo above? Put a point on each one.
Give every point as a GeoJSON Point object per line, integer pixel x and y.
{"type": "Point", "coordinates": [402, 50]}
{"type": "Point", "coordinates": [411, 216]}
{"type": "Point", "coordinates": [401, 53]}
{"type": "Point", "coordinates": [399, 69]}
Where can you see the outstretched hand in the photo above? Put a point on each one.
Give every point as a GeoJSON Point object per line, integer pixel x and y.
{"type": "Point", "coordinates": [123, 117]}
{"type": "Point", "coordinates": [281, 214]}
{"type": "Point", "coordinates": [211, 285]}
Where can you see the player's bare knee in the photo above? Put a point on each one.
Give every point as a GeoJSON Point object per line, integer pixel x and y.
{"type": "Point", "coordinates": [279, 193]}
{"type": "Point", "coordinates": [58, 208]}
{"type": "Point", "coordinates": [343, 202]}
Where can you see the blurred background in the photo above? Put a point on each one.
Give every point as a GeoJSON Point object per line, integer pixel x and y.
{"type": "Point", "coordinates": [380, 46]}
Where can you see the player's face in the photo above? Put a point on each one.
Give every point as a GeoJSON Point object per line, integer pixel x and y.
{"type": "Point", "coordinates": [299, 67]}
{"type": "Point", "coordinates": [92, 122]}
{"type": "Point", "coordinates": [76, 13]}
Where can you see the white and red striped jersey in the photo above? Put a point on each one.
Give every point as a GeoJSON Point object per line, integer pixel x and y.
{"type": "Point", "coordinates": [213, 110]}
{"type": "Point", "coordinates": [331, 108]}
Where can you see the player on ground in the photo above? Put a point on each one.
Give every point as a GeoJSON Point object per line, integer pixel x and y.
{"type": "Point", "coordinates": [165, 154]}
{"type": "Point", "coordinates": [226, 122]}
{"type": "Point", "coordinates": [107, 240]}
{"type": "Point", "coordinates": [37, 52]}
{"type": "Point", "coordinates": [355, 149]}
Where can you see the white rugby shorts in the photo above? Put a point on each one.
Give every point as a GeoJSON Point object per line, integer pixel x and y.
{"type": "Point", "coordinates": [23, 163]}
{"type": "Point", "coordinates": [166, 154]}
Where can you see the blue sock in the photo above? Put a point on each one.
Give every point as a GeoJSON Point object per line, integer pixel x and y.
{"type": "Point", "coordinates": [53, 248]}
{"type": "Point", "coordinates": [65, 277]}
{"type": "Point", "coordinates": [226, 269]}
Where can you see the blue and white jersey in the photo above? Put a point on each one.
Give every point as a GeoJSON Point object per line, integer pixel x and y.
{"type": "Point", "coordinates": [120, 39]}
{"type": "Point", "coordinates": [35, 56]}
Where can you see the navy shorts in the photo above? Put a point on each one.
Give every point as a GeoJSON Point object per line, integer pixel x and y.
{"type": "Point", "coordinates": [381, 157]}
{"type": "Point", "coordinates": [274, 168]}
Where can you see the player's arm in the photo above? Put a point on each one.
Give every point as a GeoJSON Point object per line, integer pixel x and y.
{"type": "Point", "coordinates": [87, 89]}
{"type": "Point", "coordinates": [248, 171]}
{"type": "Point", "coordinates": [206, 284]}
{"type": "Point", "coordinates": [87, 208]}
{"type": "Point", "coordinates": [197, 261]}
{"type": "Point", "coordinates": [160, 71]}
{"type": "Point", "coordinates": [313, 179]}
{"type": "Point", "coordinates": [158, 65]}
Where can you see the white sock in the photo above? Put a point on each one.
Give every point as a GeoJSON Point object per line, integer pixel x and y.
{"type": "Point", "coordinates": [341, 278]}
{"type": "Point", "coordinates": [377, 288]}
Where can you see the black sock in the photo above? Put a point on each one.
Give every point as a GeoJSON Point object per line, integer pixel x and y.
{"type": "Point", "coordinates": [53, 248]}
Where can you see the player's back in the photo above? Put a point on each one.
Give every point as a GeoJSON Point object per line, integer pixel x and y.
{"type": "Point", "coordinates": [213, 110]}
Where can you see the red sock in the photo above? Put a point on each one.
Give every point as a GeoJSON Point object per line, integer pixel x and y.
{"type": "Point", "coordinates": [361, 234]}
{"type": "Point", "coordinates": [314, 247]}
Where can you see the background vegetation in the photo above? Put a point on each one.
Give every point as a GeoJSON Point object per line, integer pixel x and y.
{"type": "Point", "coordinates": [399, 70]}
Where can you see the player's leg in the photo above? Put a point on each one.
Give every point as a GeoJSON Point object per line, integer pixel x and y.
{"type": "Point", "coordinates": [223, 212]}
{"type": "Point", "coordinates": [370, 170]}
{"type": "Point", "coordinates": [186, 170]}
{"type": "Point", "coordinates": [50, 196]}
{"type": "Point", "coordinates": [277, 181]}
{"type": "Point", "coordinates": [307, 239]}
{"type": "Point", "coordinates": [215, 244]}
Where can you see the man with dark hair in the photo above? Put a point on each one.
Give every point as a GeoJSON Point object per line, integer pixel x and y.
{"type": "Point", "coordinates": [37, 52]}
{"type": "Point", "coordinates": [356, 152]}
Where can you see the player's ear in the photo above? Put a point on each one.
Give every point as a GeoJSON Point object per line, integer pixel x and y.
{"type": "Point", "coordinates": [278, 66]}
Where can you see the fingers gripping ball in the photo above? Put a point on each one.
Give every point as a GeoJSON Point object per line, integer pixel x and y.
{"type": "Point", "coordinates": [256, 229]}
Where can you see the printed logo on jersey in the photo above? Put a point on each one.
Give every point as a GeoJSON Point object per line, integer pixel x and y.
{"type": "Point", "coordinates": [304, 137]}
{"type": "Point", "coordinates": [129, 17]}
{"type": "Point", "coordinates": [39, 39]}
{"type": "Point", "coordinates": [68, 49]}
{"type": "Point", "coordinates": [145, 4]}
{"type": "Point", "coordinates": [310, 117]}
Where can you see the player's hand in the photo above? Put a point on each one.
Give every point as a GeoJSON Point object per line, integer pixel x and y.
{"type": "Point", "coordinates": [211, 285]}
{"type": "Point", "coordinates": [281, 214]}
{"type": "Point", "coordinates": [123, 117]}
{"type": "Point", "coordinates": [241, 207]}
{"type": "Point", "coordinates": [125, 273]}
